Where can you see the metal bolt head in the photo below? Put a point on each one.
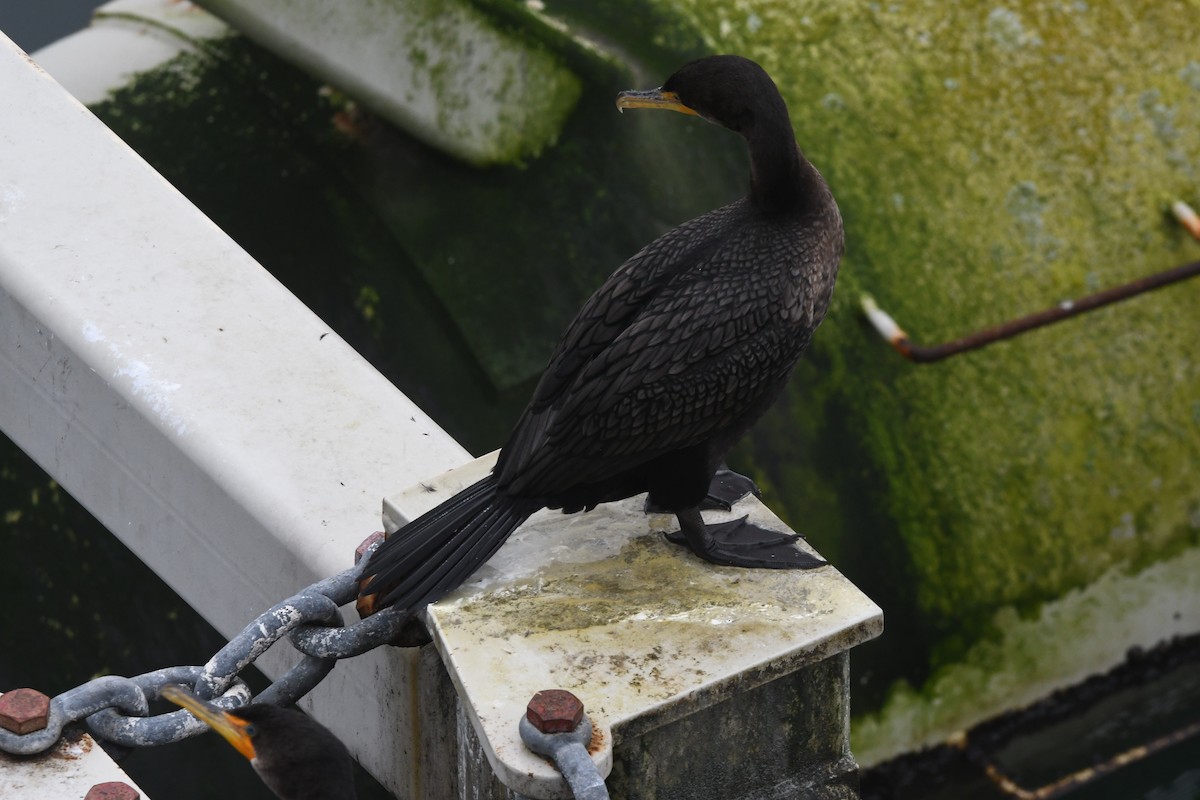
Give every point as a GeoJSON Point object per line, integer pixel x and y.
{"type": "Point", "coordinates": [113, 790]}
{"type": "Point", "coordinates": [366, 604]}
{"type": "Point", "coordinates": [24, 711]}
{"type": "Point", "coordinates": [367, 543]}
{"type": "Point", "coordinates": [554, 711]}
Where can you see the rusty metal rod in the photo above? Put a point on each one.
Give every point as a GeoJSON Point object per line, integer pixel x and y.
{"type": "Point", "coordinates": [920, 354]}
{"type": "Point", "coordinates": [1084, 776]}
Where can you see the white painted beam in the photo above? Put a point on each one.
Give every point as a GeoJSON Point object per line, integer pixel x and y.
{"type": "Point", "coordinates": [188, 400]}
{"type": "Point", "coordinates": [68, 770]}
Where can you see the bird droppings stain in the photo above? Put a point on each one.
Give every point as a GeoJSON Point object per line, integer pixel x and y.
{"type": "Point", "coordinates": [138, 376]}
{"type": "Point", "coordinates": [12, 197]}
{"type": "Point", "coordinates": [155, 391]}
{"type": "Point", "coordinates": [617, 605]}
{"type": "Point", "coordinates": [72, 748]}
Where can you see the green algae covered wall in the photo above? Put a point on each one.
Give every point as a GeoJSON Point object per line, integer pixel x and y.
{"type": "Point", "coordinates": [444, 70]}
{"type": "Point", "coordinates": [1023, 513]}
{"type": "Point", "coordinates": [991, 159]}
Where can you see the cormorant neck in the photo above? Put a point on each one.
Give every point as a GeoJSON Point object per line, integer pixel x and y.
{"type": "Point", "coordinates": [777, 169]}
{"type": "Point", "coordinates": [779, 174]}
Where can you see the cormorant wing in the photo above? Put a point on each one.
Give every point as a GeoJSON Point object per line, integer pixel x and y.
{"type": "Point", "coordinates": [664, 356]}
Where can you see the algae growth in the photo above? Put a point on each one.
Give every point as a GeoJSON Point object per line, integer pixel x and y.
{"type": "Point", "coordinates": [991, 160]}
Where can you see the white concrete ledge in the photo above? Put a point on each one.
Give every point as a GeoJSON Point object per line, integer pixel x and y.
{"type": "Point", "coordinates": [642, 631]}
{"type": "Point", "coordinates": [187, 399]}
{"type": "Point", "coordinates": [67, 770]}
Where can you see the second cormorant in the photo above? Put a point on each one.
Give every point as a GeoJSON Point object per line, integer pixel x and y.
{"type": "Point", "coordinates": [297, 757]}
{"type": "Point", "coordinates": [667, 365]}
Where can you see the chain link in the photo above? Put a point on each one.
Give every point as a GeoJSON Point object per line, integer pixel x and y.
{"type": "Point", "coordinates": [117, 710]}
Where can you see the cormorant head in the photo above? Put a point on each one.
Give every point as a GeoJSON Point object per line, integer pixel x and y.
{"type": "Point", "coordinates": [736, 93]}
{"type": "Point", "coordinates": [728, 90]}
{"type": "Point", "coordinates": [296, 756]}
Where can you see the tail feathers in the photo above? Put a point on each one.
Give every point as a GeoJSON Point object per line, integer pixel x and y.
{"type": "Point", "coordinates": [436, 552]}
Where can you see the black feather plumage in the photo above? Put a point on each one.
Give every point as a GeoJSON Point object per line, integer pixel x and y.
{"type": "Point", "coordinates": [666, 366]}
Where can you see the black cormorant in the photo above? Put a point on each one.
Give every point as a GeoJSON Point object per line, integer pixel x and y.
{"type": "Point", "coordinates": [666, 366]}
{"type": "Point", "coordinates": [296, 756]}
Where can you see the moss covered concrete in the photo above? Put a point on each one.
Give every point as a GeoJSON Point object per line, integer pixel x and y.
{"type": "Point", "coordinates": [442, 69]}
{"type": "Point", "coordinates": [1032, 655]}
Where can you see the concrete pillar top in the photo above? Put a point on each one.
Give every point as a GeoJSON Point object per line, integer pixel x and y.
{"type": "Point", "coordinates": [642, 631]}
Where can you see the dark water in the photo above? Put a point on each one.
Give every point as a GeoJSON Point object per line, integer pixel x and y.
{"type": "Point", "coordinates": [1146, 700]}
{"type": "Point", "coordinates": [36, 23]}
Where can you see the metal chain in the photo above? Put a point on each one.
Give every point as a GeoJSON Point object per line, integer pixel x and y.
{"type": "Point", "coordinates": [117, 709]}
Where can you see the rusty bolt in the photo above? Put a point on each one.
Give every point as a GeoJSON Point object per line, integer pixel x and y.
{"type": "Point", "coordinates": [366, 604]}
{"type": "Point", "coordinates": [554, 711]}
{"type": "Point", "coordinates": [361, 550]}
{"type": "Point", "coordinates": [113, 790]}
{"type": "Point", "coordinates": [24, 711]}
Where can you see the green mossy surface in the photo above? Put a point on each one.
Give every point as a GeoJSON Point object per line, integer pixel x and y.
{"type": "Point", "coordinates": [991, 159]}
{"type": "Point", "coordinates": [463, 80]}
{"type": "Point", "coordinates": [441, 43]}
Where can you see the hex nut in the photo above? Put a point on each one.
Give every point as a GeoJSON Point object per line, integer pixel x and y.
{"type": "Point", "coordinates": [554, 711]}
{"type": "Point", "coordinates": [365, 605]}
{"type": "Point", "coordinates": [112, 790]}
{"type": "Point", "coordinates": [367, 543]}
{"type": "Point", "coordinates": [24, 711]}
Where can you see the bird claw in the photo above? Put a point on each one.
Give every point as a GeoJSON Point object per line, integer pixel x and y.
{"type": "Point", "coordinates": [727, 488]}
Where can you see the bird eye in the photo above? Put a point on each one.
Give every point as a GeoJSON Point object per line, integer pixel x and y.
{"type": "Point", "coordinates": [251, 730]}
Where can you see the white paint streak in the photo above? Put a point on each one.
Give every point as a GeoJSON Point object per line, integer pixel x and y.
{"type": "Point", "coordinates": [156, 392]}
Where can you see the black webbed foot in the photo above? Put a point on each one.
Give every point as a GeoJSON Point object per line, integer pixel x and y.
{"type": "Point", "coordinates": [739, 543]}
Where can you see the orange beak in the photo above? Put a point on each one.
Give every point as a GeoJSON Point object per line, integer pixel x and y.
{"type": "Point", "coordinates": [233, 729]}
{"type": "Point", "coordinates": [653, 98]}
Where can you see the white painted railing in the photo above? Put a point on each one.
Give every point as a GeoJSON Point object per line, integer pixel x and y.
{"type": "Point", "coordinates": [188, 400]}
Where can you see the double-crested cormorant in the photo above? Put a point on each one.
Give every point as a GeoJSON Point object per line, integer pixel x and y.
{"type": "Point", "coordinates": [296, 756]}
{"type": "Point", "coordinates": [666, 366]}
